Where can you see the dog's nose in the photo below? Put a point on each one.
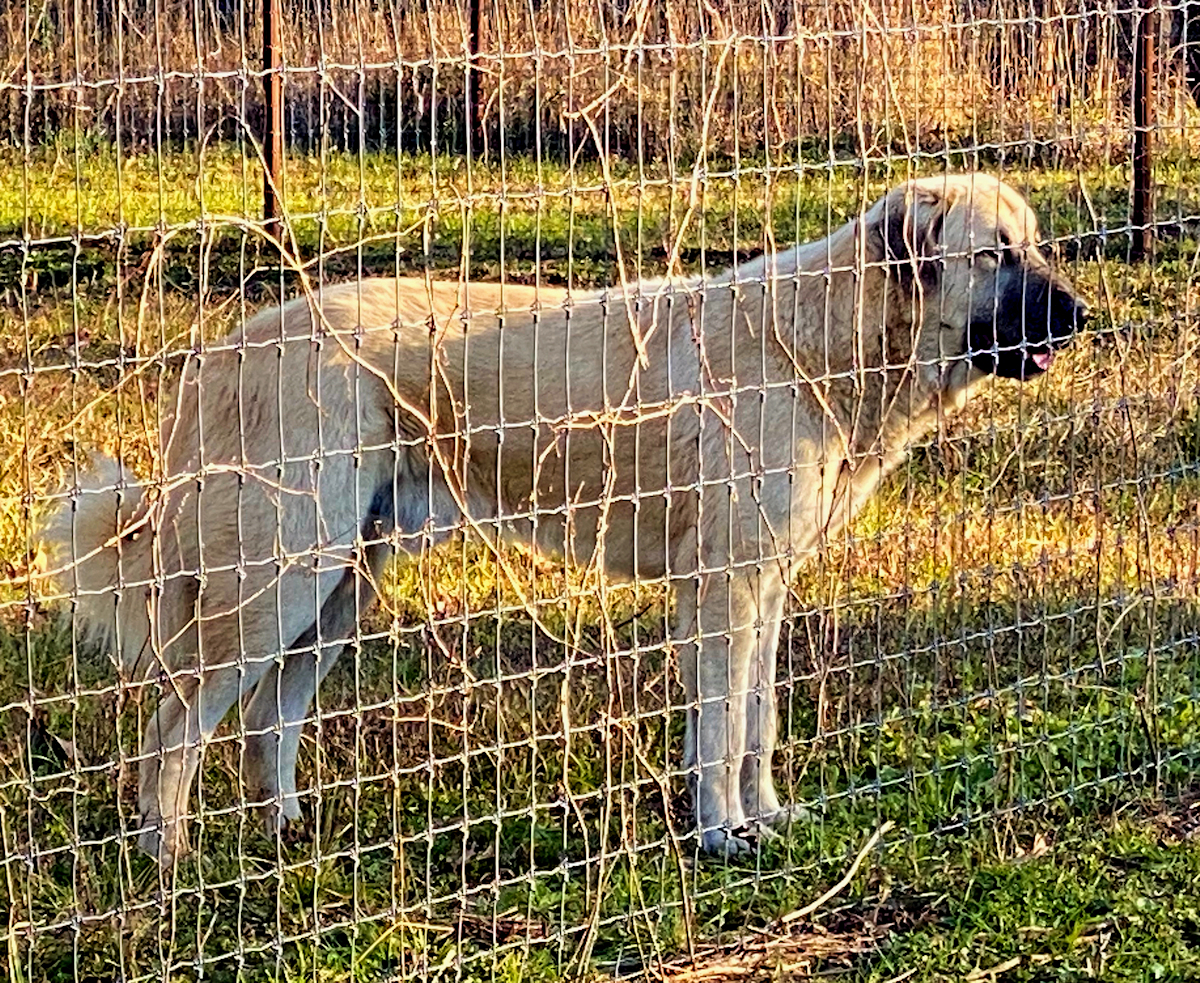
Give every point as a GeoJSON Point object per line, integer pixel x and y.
{"type": "Point", "coordinates": [1069, 312]}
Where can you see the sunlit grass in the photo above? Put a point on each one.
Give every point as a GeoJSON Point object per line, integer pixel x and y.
{"type": "Point", "coordinates": [202, 208]}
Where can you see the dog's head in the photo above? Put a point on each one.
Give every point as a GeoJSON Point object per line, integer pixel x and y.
{"type": "Point", "coordinates": [964, 249]}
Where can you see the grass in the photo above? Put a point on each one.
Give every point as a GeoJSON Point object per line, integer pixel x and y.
{"type": "Point", "coordinates": [98, 217]}
{"type": "Point", "coordinates": [1000, 659]}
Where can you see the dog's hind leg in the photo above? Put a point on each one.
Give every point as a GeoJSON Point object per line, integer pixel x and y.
{"type": "Point", "coordinates": [279, 706]}
{"type": "Point", "coordinates": [246, 613]}
{"type": "Point", "coordinates": [196, 699]}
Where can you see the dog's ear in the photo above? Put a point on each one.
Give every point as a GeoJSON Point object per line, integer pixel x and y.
{"type": "Point", "coordinates": [907, 231]}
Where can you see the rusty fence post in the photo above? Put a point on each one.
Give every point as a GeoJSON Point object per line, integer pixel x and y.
{"type": "Point", "coordinates": [474, 109]}
{"type": "Point", "coordinates": [1141, 217]}
{"type": "Point", "coordinates": [273, 112]}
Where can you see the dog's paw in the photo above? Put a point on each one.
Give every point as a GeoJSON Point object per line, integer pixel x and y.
{"type": "Point", "coordinates": [725, 843]}
{"type": "Point", "coordinates": [782, 817]}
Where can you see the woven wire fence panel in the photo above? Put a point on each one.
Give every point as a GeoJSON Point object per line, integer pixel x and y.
{"type": "Point", "coordinates": [986, 614]}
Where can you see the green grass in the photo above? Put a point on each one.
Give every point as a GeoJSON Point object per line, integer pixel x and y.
{"type": "Point", "coordinates": [1054, 764]}
{"type": "Point", "coordinates": [1114, 899]}
{"type": "Point", "coordinates": [522, 218]}
{"type": "Point", "coordinates": [1000, 660]}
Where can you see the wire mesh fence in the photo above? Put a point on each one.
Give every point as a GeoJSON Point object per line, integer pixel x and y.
{"type": "Point", "coordinates": [439, 624]}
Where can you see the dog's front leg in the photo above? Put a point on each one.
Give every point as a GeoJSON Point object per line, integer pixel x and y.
{"type": "Point", "coordinates": [719, 624]}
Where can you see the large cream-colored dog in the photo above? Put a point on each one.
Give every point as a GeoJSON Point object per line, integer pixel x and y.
{"type": "Point", "coordinates": [710, 433]}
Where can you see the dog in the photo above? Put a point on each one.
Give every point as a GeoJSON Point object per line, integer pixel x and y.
{"type": "Point", "coordinates": [710, 434]}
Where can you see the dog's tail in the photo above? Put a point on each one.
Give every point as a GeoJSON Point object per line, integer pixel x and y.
{"type": "Point", "coordinates": [101, 554]}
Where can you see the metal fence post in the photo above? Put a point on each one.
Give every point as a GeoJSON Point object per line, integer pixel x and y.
{"type": "Point", "coordinates": [1142, 207]}
{"type": "Point", "coordinates": [273, 112]}
{"type": "Point", "coordinates": [474, 110]}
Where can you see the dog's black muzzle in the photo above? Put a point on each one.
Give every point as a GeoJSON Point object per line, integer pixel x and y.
{"type": "Point", "coordinates": [1032, 316]}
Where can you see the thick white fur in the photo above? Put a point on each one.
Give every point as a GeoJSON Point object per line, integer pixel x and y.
{"type": "Point", "coordinates": [765, 407]}
{"type": "Point", "coordinates": [90, 539]}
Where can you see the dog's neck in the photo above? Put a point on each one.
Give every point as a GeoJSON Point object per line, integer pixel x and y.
{"type": "Point", "coordinates": [885, 396]}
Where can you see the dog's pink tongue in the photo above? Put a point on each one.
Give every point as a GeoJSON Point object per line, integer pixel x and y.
{"type": "Point", "coordinates": [1043, 360]}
